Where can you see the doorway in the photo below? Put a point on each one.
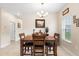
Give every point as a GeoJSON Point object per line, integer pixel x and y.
{"type": "Point", "coordinates": [12, 31]}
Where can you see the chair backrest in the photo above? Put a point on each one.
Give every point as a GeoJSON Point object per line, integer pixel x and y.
{"type": "Point", "coordinates": [22, 36]}
{"type": "Point", "coordinates": [56, 35]}
{"type": "Point", "coordinates": [38, 39]}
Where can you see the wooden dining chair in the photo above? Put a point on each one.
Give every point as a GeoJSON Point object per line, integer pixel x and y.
{"type": "Point", "coordinates": [49, 44]}
{"type": "Point", "coordinates": [52, 44]}
{"type": "Point", "coordinates": [24, 45]}
{"type": "Point", "coordinates": [38, 44]}
{"type": "Point", "coordinates": [57, 37]}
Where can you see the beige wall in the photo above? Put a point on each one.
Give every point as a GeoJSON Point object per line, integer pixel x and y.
{"type": "Point", "coordinates": [0, 28]}
{"type": "Point", "coordinates": [28, 25]}
{"type": "Point", "coordinates": [18, 30]}
{"type": "Point", "coordinates": [50, 21]}
{"type": "Point", "coordinates": [74, 46]}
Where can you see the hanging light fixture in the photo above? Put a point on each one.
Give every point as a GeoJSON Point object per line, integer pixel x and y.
{"type": "Point", "coordinates": [18, 15]}
{"type": "Point", "coordinates": [42, 13]}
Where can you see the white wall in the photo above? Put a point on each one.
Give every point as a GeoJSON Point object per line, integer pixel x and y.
{"type": "Point", "coordinates": [74, 46]}
{"type": "Point", "coordinates": [29, 23]}
{"type": "Point", "coordinates": [5, 39]}
{"type": "Point", "coordinates": [5, 20]}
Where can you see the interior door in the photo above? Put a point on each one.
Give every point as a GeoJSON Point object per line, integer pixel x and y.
{"type": "Point", "coordinates": [12, 31]}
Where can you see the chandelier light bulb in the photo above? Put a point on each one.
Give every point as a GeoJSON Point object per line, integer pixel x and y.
{"type": "Point", "coordinates": [38, 14]}
{"type": "Point", "coordinates": [42, 12]}
{"type": "Point", "coordinates": [45, 14]}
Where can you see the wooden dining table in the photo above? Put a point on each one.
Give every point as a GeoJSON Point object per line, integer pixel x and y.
{"type": "Point", "coordinates": [30, 38]}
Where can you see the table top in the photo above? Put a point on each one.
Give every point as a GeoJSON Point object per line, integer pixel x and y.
{"type": "Point", "coordinates": [29, 37]}
{"type": "Point", "coordinates": [49, 38]}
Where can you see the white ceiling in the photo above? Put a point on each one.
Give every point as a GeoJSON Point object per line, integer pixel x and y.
{"type": "Point", "coordinates": [24, 8]}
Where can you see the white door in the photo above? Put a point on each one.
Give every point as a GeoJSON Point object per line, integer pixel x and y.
{"type": "Point", "coordinates": [12, 31]}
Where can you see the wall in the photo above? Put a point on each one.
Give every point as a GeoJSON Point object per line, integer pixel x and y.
{"type": "Point", "coordinates": [18, 30]}
{"type": "Point", "coordinates": [74, 46]}
{"type": "Point", "coordinates": [6, 18]}
{"type": "Point", "coordinates": [0, 28]}
{"type": "Point", "coordinates": [5, 39]}
{"type": "Point", "coordinates": [29, 23]}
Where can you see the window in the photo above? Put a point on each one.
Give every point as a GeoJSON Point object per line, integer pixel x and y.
{"type": "Point", "coordinates": [66, 28]}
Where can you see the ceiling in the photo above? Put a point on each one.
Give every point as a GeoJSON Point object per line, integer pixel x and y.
{"type": "Point", "coordinates": [25, 8]}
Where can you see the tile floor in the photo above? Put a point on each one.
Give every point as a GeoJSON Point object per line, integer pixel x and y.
{"type": "Point", "coordinates": [14, 50]}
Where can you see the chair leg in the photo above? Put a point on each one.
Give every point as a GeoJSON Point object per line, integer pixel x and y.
{"type": "Point", "coordinates": [28, 49]}
{"type": "Point", "coordinates": [49, 48]}
{"type": "Point", "coordinates": [55, 51]}
{"type": "Point", "coordinates": [47, 51]}
{"type": "Point", "coordinates": [31, 51]}
{"type": "Point", "coordinates": [34, 52]}
{"type": "Point", "coordinates": [25, 49]}
{"type": "Point", "coordinates": [43, 51]}
{"type": "Point", "coordinates": [21, 49]}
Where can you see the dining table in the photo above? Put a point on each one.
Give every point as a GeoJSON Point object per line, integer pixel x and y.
{"type": "Point", "coordinates": [30, 38]}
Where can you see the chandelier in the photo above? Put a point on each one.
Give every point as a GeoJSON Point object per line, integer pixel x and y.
{"type": "Point", "coordinates": [42, 13]}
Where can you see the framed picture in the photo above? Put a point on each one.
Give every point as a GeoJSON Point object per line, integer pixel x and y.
{"type": "Point", "coordinates": [77, 23]}
{"type": "Point", "coordinates": [74, 19]}
{"type": "Point", "coordinates": [40, 23]}
{"type": "Point", "coordinates": [65, 11]}
{"type": "Point", "coordinates": [19, 25]}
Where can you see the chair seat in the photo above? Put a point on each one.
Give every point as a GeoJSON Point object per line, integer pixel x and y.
{"type": "Point", "coordinates": [29, 43]}
{"type": "Point", "coordinates": [49, 44]}
{"type": "Point", "coordinates": [23, 44]}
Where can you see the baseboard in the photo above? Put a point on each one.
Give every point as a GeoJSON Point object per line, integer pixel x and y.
{"type": "Point", "coordinates": [17, 39]}
{"type": "Point", "coordinates": [68, 51]}
{"type": "Point", "coordinates": [4, 45]}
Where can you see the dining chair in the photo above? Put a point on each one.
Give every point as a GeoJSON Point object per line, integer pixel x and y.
{"type": "Point", "coordinates": [52, 44]}
{"type": "Point", "coordinates": [22, 45]}
{"type": "Point", "coordinates": [25, 45]}
{"type": "Point", "coordinates": [57, 37]}
{"type": "Point", "coordinates": [38, 44]}
{"type": "Point", "coordinates": [49, 44]}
